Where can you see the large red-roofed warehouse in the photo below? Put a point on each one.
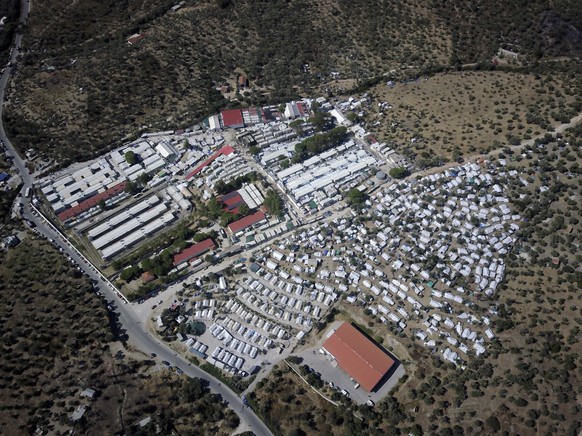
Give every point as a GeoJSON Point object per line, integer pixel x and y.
{"type": "Point", "coordinates": [357, 355]}
{"type": "Point", "coordinates": [232, 118]}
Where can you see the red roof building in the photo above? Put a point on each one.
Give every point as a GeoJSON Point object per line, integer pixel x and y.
{"type": "Point", "coordinates": [224, 151]}
{"type": "Point", "coordinates": [147, 277]}
{"type": "Point", "coordinates": [193, 251]}
{"type": "Point", "coordinates": [92, 202]}
{"type": "Point", "coordinates": [357, 355]}
{"type": "Point", "coordinates": [301, 109]}
{"type": "Point", "coordinates": [246, 222]}
{"type": "Point", "coordinates": [243, 81]}
{"type": "Point", "coordinates": [231, 201]}
{"type": "Point", "coordinates": [135, 38]}
{"type": "Point", "coordinates": [232, 118]}
{"type": "Point", "coordinates": [371, 139]}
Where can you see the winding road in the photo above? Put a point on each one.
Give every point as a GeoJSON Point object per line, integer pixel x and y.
{"type": "Point", "coordinates": [139, 337]}
{"type": "Point", "coordinates": [137, 332]}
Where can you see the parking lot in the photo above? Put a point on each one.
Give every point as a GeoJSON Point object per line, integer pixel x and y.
{"type": "Point", "coordinates": [332, 373]}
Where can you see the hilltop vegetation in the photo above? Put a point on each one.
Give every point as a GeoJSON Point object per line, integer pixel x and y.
{"type": "Point", "coordinates": [81, 87]}
{"type": "Point", "coordinates": [9, 10]}
{"type": "Point", "coordinates": [56, 341]}
{"type": "Point", "coordinates": [448, 116]}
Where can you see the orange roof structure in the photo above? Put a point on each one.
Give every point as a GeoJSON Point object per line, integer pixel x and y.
{"type": "Point", "coordinates": [247, 221]}
{"type": "Point", "coordinates": [357, 355]}
{"type": "Point", "coordinates": [147, 277]}
{"type": "Point", "coordinates": [193, 251]}
{"type": "Point", "coordinates": [231, 201]}
{"type": "Point", "coordinates": [92, 201]}
{"type": "Point", "coordinates": [226, 150]}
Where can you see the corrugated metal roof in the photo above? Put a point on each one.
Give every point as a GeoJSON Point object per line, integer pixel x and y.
{"type": "Point", "coordinates": [232, 118]}
{"type": "Point", "coordinates": [193, 251]}
{"type": "Point", "coordinates": [226, 150]}
{"type": "Point", "coordinates": [247, 221]}
{"type": "Point", "coordinates": [91, 202]}
{"type": "Point", "coordinates": [357, 355]}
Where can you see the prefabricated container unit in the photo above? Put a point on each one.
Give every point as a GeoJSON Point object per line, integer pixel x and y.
{"type": "Point", "coordinates": [112, 250]}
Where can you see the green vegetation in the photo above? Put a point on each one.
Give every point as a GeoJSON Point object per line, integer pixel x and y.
{"type": "Point", "coordinates": [273, 203]}
{"type": "Point", "coordinates": [289, 406]}
{"type": "Point", "coordinates": [139, 185]}
{"type": "Point", "coordinates": [398, 172]}
{"type": "Point", "coordinates": [58, 339]}
{"type": "Point", "coordinates": [320, 120]}
{"type": "Point", "coordinates": [296, 124]}
{"type": "Point", "coordinates": [221, 187]}
{"type": "Point", "coordinates": [456, 114]}
{"type": "Point", "coordinates": [236, 383]}
{"type": "Point", "coordinates": [319, 143]}
{"type": "Point", "coordinates": [9, 9]}
{"type": "Point", "coordinates": [6, 201]}
{"type": "Point", "coordinates": [215, 210]}
{"type": "Point", "coordinates": [161, 264]}
{"type": "Point", "coordinates": [74, 110]}
{"type": "Point", "coordinates": [353, 117]}
{"type": "Point", "coordinates": [130, 157]}
{"type": "Point", "coordinates": [356, 198]}
{"type": "Point", "coordinates": [157, 257]}
{"type": "Point", "coordinates": [130, 273]}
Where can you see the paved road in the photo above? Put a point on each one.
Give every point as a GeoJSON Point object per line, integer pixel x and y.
{"type": "Point", "coordinates": [10, 150]}
{"type": "Point", "coordinates": [135, 329]}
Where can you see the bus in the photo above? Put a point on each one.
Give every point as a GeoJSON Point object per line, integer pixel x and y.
{"type": "Point", "coordinates": [27, 193]}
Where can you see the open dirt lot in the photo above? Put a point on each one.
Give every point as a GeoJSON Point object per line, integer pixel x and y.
{"type": "Point", "coordinates": [449, 115]}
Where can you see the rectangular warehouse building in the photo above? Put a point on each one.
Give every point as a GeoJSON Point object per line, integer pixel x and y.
{"type": "Point", "coordinates": [357, 355]}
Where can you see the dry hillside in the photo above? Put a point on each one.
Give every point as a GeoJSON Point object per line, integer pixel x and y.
{"type": "Point", "coordinates": [455, 114]}
{"type": "Point", "coordinates": [81, 87]}
{"type": "Point", "coordinates": [56, 341]}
